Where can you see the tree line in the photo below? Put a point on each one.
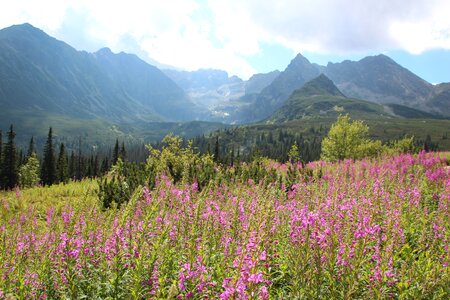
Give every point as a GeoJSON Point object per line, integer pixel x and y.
{"type": "Point", "coordinates": [207, 163]}
{"type": "Point", "coordinates": [57, 164]}
{"type": "Point", "coordinates": [228, 147]}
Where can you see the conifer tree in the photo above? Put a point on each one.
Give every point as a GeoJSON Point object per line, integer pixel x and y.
{"type": "Point", "coordinates": [21, 159]}
{"type": "Point", "coordinates": [95, 169]}
{"type": "Point", "coordinates": [48, 171]}
{"type": "Point", "coordinates": [9, 172]}
{"type": "Point", "coordinates": [123, 153]}
{"type": "Point", "coordinates": [105, 166]}
{"type": "Point", "coordinates": [216, 150]}
{"type": "Point", "coordinates": [89, 171]}
{"type": "Point", "coordinates": [116, 152]}
{"type": "Point", "coordinates": [232, 157]}
{"type": "Point", "coordinates": [1, 158]}
{"type": "Point", "coordinates": [62, 171]}
{"type": "Point", "coordinates": [1, 146]}
{"type": "Point", "coordinates": [31, 147]}
{"type": "Point", "coordinates": [72, 165]}
{"type": "Point", "coordinates": [79, 170]}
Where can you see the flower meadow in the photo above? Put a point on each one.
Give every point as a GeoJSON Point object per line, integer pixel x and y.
{"type": "Point", "coordinates": [369, 229]}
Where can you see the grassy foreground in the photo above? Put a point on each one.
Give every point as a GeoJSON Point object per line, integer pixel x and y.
{"type": "Point", "coordinates": [369, 229]}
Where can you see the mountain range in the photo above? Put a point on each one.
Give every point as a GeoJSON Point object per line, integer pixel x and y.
{"type": "Point", "coordinates": [40, 73]}
{"type": "Point", "coordinates": [321, 98]}
{"type": "Point", "coordinates": [378, 79]}
{"type": "Point", "coordinates": [47, 79]}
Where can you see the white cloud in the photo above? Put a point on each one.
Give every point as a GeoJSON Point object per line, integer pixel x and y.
{"type": "Point", "coordinates": [343, 26]}
{"type": "Point", "coordinates": [168, 31]}
{"type": "Point", "coordinates": [46, 14]}
{"type": "Point", "coordinates": [194, 34]}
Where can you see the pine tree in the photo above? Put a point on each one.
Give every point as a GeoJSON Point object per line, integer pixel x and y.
{"type": "Point", "coordinates": [1, 157]}
{"type": "Point", "coordinates": [123, 152]}
{"type": "Point", "coordinates": [72, 168]}
{"type": "Point", "coordinates": [21, 159]}
{"type": "Point", "coordinates": [62, 171]}
{"type": "Point", "coordinates": [216, 150]}
{"type": "Point", "coordinates": [232, 157]}
{"type": "Point", "coordinates": [95, 169]}
{"type": "Point", "coordinates": [116, 152]}
{"type": "Point", "coordinates": [48, 171]}
{"type": "Point", "coordinates": [105, 166]}
{"type": "Point", "coordinates": [79, 169]}
{"type": "Point", "coordinates": [31, 147]}
{"type": "Point", "coordinates": [9, 173]}
{"type": "Point", "coordinates": [82, 167]}
{"type": "Point", "coordinates": [89, 167]}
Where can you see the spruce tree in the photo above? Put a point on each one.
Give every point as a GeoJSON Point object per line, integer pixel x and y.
{"type": "Point", "coordinates": [72, 168]}
{"type": "Point", "coordinates": [95, 169]}
{"type": "Point", "coordinates": [232, 157]}
{"type": "Point", "coordinates": [89, 167]}
{"type": "Point", "coordinates": [48, 171]}
{"type": "Point", "coordinates": [1, 160]}
{"type": "Point", "coordinates": [105, 166]}
{"type": "Point", "coordinates": [9, 172]}
{"type": "Point", "coordinates": [216, 150]}
{"type": "Point", "coordinates": [115, 153]}
{"type": "Point", "coordinates": [79, 170]}
{"type": "Point", "coordinates": [62, 171]}
{"type": "Point", "coordinates": [123, 153]}
{"type": "Point", "coordinates": [31, 147]}
{"type": "Point", "coordinates": [21, 159]}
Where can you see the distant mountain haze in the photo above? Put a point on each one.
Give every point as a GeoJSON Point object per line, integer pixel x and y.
{"type": "Point", "coordinates": [258, 82]}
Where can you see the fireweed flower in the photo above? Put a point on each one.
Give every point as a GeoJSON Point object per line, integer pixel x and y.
{"type": "Point", "coordinates": [359, 221]}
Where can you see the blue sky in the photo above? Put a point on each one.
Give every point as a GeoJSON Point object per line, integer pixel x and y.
{"type": "Point", "coordinates": [244, 37]}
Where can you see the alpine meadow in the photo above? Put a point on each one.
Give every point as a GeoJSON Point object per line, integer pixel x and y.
{"type": "Point", "coordinates": [225, 150]}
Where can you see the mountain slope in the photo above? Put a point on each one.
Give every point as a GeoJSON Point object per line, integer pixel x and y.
{"type": "Point", "coordinates": [146, 85]}
{"type": "Point", "coordinates": [211, 90]}
{"type": "Point", "coordinates": [376, 79]}
{"type": "Point", "coordinates": [379, 79]}
{"type": "Point", "coordinates": [258, 82]}
{"type": "Point", "coordinates": [321, 98]}
{"type": "Point", "coordinates": [297, 73]}
{"type": "Point", "coordinates": [38, 72]}
{"type": "Point", "coordinates": [440, 101]}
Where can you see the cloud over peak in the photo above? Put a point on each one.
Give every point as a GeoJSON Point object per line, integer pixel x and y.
{"type": "Point", "coordinates": [192, 34]}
